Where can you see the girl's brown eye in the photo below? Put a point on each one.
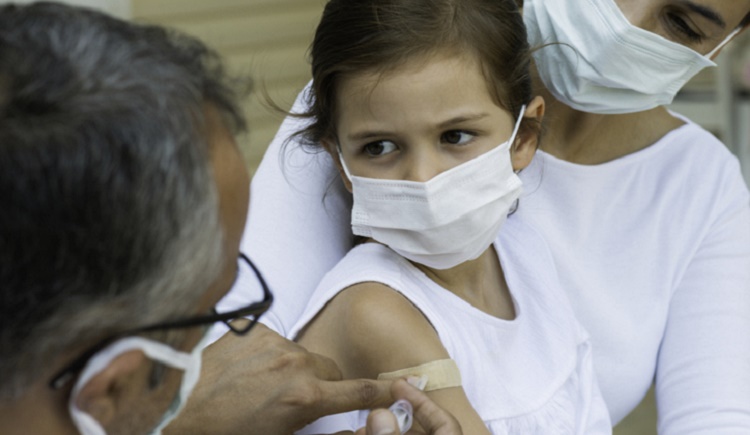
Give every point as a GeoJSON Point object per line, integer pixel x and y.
{"type": "Point", "coordinates": [374, 149]}
{"type": "Point", "coordinates": [453, 137]}
{"type": "Point", "coordinates": [457, 137]}
{"type": "Point", "coordinates": [379, 148]}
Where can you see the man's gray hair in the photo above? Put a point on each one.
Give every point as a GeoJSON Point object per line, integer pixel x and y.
{"type": "Point", "coordinates": [109, 213]}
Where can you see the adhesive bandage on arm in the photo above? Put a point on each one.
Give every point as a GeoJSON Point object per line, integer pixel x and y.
{"type": "Point", "coordinates": [440, 374]}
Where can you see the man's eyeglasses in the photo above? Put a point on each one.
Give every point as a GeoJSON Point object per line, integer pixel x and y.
{"type": "Point", "coordinates": [252, 312]}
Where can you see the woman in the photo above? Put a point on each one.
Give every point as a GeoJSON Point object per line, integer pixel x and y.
{"type": "Point", "coordinates": [647, 214]}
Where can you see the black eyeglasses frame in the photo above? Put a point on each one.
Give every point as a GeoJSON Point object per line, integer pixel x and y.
{"type": "Point", "coordinates": [256, 309]}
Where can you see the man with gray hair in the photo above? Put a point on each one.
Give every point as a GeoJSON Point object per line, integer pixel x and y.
{"type": "Point", "coordinates": [124, 200]}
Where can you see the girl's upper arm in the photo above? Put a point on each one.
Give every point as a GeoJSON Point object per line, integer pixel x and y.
{"type": "Point", "coordinates": [370, 329]}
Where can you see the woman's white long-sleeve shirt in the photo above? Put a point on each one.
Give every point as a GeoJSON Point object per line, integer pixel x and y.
{"type": "Point", "coordinates": [652, 248]}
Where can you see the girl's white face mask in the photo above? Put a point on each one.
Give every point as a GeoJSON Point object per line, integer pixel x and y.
{"type": "Point", "coordinates": [452, 218]}
{"type": "Point", "coordinates": [189, 363]}
{"type": "Point", "coordinates": [600, 63]}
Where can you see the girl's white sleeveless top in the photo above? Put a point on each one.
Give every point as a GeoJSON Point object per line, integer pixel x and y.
{"type": "Point", "coordinates": [529, 375]}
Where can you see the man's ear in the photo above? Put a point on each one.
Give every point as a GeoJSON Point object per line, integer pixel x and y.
{"type": "Point", "coordinates": [527, 140]}
{"type": "Point", "coordinates": [100, 397]}
{"type": "Point", "coordinates": [332, 150]}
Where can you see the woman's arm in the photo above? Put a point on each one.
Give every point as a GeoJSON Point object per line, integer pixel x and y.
{"type": "Point", "coordinates": [370, 329]}
{"type": "Point", "coordinates": [297, 227]}
{"type": "Point", "coordinates": [703, 369]}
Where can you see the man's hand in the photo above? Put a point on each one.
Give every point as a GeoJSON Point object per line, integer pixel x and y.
{"type": "Point", "coordinates": [265, 384]}
{"type": "Point", "coordinates": [432, 418]}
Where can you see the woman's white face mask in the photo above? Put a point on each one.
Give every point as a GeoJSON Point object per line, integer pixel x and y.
{"type": "Point", "coordinates": [599, 62]}
{"type": "Point", "coordinates": [189, 363]}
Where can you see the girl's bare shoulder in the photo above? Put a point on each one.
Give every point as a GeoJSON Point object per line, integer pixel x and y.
{"type": "Point", "coordinates": [369, 329]}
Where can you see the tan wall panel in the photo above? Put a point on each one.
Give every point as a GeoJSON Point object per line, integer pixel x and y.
{"type": "Point", "coordinates": [265, 39]}
{"type": "Point", "coordinates": [165, 10]}
{"type": "Point", "coordinates": [253, 31]}
{"type": "Point", "coordinates": [259, 112]}
{"type": "Point", "coordinates": [272, 66]}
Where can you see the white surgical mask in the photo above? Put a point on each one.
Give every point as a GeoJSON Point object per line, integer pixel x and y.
{"type": "Point", "coordinates": [189, 363]}
{"type": "Point", "coordinates": [599, 62]}
{"type": "Point", "coordinates": [452, 218]}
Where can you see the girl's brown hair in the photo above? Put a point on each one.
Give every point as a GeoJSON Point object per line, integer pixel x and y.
{"type": "Point", "coordinates": [357, 36]}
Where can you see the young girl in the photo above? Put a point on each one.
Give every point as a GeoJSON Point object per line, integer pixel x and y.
{"type": "Point", "coordinates": [425, 106]}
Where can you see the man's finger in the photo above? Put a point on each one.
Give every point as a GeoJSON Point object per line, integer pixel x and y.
{"type": "Point", "coordinates": [381, 421]}
{"type": "Point", "coordinates": [325, 368]}
{"type": "Point", "coordinates": [350, 395]}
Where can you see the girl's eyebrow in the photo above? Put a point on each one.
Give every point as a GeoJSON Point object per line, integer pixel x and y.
{"type": "Point", "coordinates": [706, 12]}
{"type": "Point", "coordinates": [369, 134]}
{"type": "Point", "coordinates": [463, 118]}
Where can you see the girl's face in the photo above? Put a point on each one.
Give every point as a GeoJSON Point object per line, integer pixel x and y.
{"type": "Point", "coordinates": [421, 119]}
{"type": "Point", "coordinates": [697, 24]}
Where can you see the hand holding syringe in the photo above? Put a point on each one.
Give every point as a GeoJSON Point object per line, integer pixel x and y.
{"type": "Point", "coordinates": [403, 410]}
{"type": "Point", "coordinates": [433, 419]}
{"type": "Point", "coordinates": [404, 413]}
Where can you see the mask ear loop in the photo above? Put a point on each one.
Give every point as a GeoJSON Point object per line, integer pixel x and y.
{"type": "Point", "coordinates": [343, 163]}
{"type": "Point", "coordinates": [724, 42]}
{"type": "Point", "coordinates": [154, 350]}
{"type": "Point", "coordinates": [512, 139]}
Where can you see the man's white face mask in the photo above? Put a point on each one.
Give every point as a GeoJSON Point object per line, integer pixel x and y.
{"type": "Point", "coordinates": [189, 363]}
{"type": "Point", "coordinates": [600, 63]}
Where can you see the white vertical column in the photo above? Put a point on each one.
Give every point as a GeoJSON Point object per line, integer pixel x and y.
{"type": "Point", "coordinates": [743, 136]}
{"type": "Point", "coordinates": [727, 99]}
